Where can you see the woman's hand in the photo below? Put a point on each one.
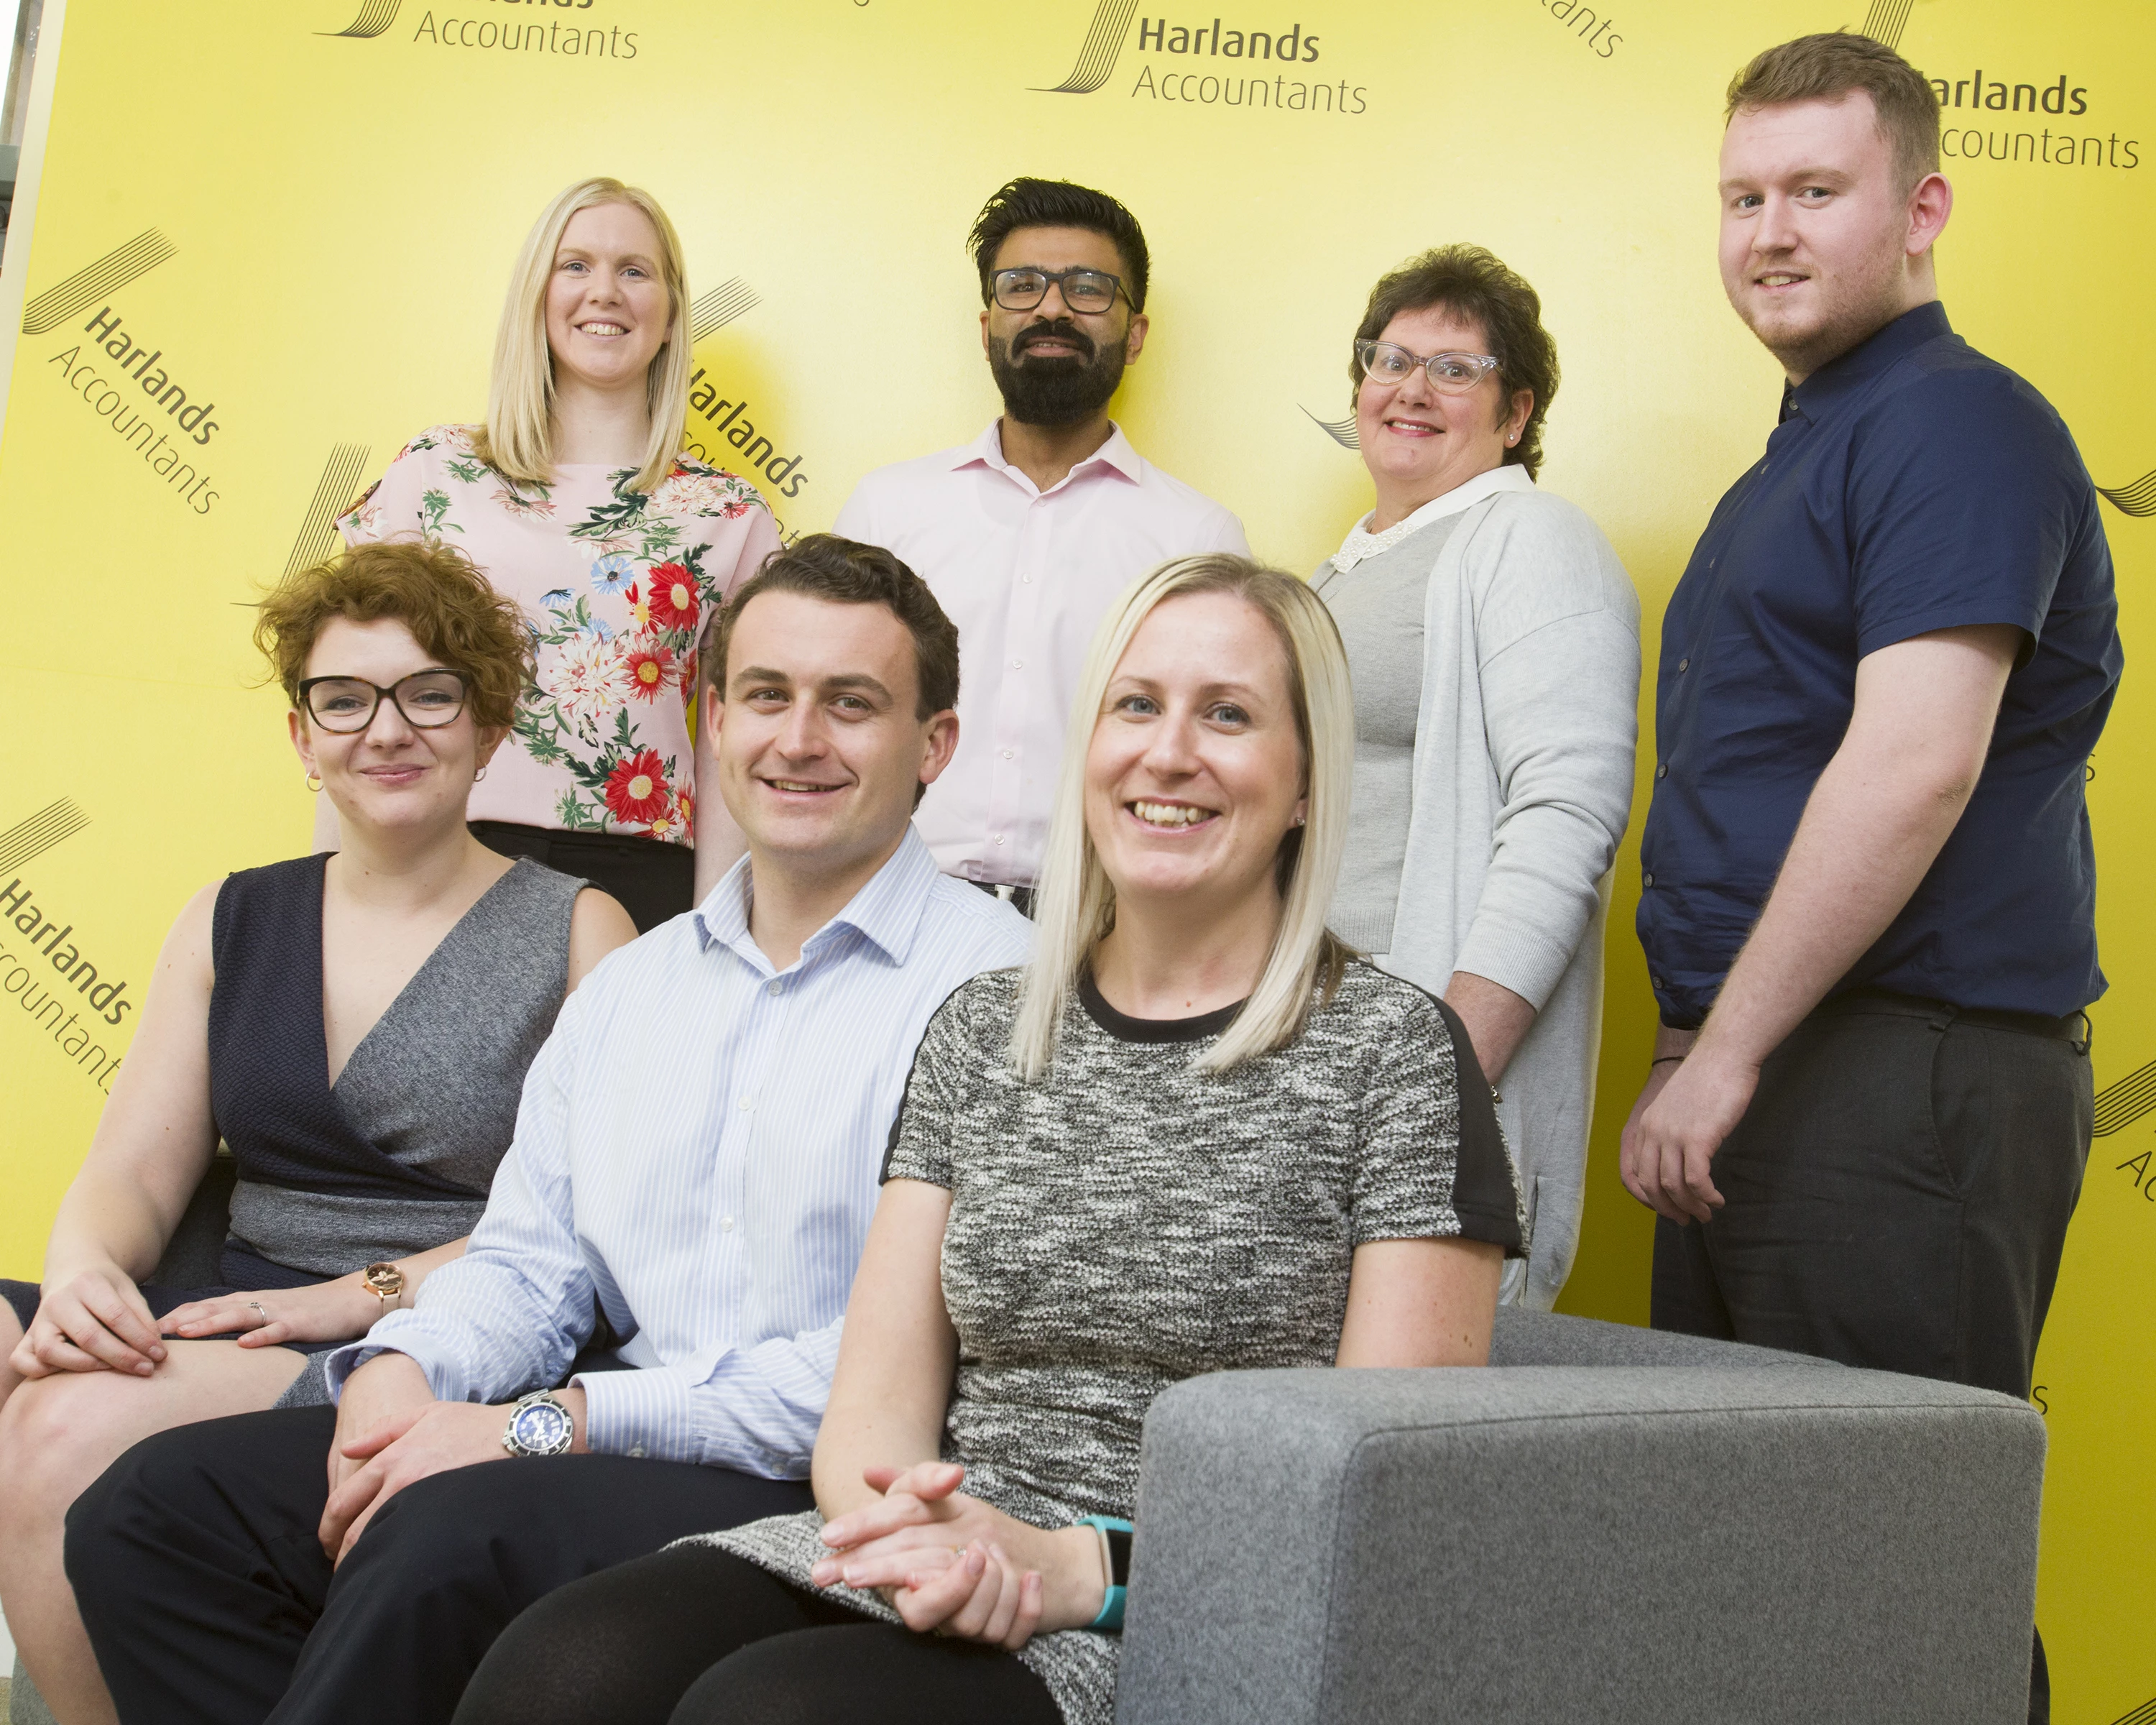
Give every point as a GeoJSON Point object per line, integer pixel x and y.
{"type": "Point", "coordinates": [340, 1311]}
{"type": "Point", "coordinates": [950, 1563]}
{"type": "Point", "coordinates": [92, 1320]}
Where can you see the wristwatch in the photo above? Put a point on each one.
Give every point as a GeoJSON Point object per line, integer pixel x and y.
{"type": "Point", "coordinates": [1116, 1563]}
{"type": "Point", "coordinates": [539, 1425]}
{"type": "Point", "coordinates": [385, 1281]}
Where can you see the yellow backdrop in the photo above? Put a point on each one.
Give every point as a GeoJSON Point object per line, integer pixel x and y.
{"type": "Point", "coordinates": [305, 209]}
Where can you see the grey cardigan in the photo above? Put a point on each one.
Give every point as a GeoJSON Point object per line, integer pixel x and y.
{"type": "Point", "coordinates": [1523, 786]}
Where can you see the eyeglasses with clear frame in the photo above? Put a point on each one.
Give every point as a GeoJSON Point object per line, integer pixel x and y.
{"type": "Point", "coordinates": [427, 699]}
{"type": "Point", "coordinates": [1390, 364]}
{"type": "Point", "coordinates": [1090, 291]}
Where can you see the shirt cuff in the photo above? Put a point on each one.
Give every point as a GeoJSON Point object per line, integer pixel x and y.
{"type": "Point", "coordinates": [649, 1413]}
{"type": "Point", "coordinates": [1526, 962]}
{"type": "Point", "coordinates": [445, 1376]}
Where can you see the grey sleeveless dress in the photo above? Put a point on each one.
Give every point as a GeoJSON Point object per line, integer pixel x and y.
{"type": "Point", "coordinates": [434, 1087]}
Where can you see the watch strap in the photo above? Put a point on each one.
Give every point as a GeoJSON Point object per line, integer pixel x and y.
{"type": "Point", "coordinates": [1116, 1536]}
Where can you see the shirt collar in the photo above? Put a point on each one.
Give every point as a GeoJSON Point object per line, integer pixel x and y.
{"type": "Point", "coordinates": [1360, 544]}
{"type": "Point", "coordinates": [986, 450]}
{"type": "Point", "coordinates": [886, 912]}
{"type": "Point", "coordinates": [1867, 360]}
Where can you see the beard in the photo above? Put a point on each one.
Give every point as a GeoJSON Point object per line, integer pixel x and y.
{"type": "Point", "coordinates": [1058, 391]}
{"type": "Point", "coordinates": [1853, 303]}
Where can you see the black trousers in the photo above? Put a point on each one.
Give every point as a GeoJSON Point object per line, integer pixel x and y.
{"type": "Point", "coordinates": [653, 880]}
{"type": "Point", "coordinates": [207, 1598]}
{"type": "Point", "coordinates": [697, 1636]}
{"type": "Point", "coordinates": [1897, 1197]}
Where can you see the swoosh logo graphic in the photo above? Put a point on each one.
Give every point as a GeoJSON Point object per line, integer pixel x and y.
{"type": "Point", "coordinates": [1098, 54]}
{"type": "Point", "coordinates": [1885, 21]}
{"type": "Point", "coordinates": [143, 253]}
{"type": "Point", "coordinates": [1342, 432]}
{"type": "Point", "coordinates": [375, 16]}
{"type": "Point", "coordinates": [2137, 498]}
{"type": "Point", "coordinates": [721, 305]}
{"type": "Point", "coordinates": [38, 834]}
{"type": "Point", "coordinates": [2118, 1106]}
{"type": "Point", "coordinates": [334, 492]}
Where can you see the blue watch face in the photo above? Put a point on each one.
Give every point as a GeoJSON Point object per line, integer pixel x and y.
{"type": "Point", "coordinates": [540, 1427]}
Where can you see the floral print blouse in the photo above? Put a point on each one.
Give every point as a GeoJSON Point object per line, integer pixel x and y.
{"type": "Point", "coordinates": [615, 584]}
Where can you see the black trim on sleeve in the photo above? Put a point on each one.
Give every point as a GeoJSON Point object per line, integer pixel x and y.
{"type": "Point", "coordinates": [1486, 1190]}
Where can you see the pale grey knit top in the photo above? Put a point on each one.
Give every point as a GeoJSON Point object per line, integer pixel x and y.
{"type": "Point", "coordinates": [1127, 1222]}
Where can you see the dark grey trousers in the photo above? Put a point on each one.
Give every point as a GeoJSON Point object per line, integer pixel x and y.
{"type": "Point", "coordinates": [1897, 1197]}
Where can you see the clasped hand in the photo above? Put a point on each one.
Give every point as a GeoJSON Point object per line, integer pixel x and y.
{"type": "Point", "coordinates": [951, 1565]}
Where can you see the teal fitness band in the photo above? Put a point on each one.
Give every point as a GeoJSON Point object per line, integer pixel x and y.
{"type": "Point", "coordinates": [1116, 1561]}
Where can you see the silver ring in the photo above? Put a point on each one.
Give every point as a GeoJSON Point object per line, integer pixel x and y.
{"type": "Point", "coordinates": [257, 1306]}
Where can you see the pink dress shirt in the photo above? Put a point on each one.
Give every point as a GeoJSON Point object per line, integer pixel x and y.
{"type": "Point", "coordinates": [1027, 576]}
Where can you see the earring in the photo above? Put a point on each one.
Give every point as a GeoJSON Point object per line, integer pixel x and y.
{"type": "Point", "coordinates": [479, 775]}
{"type": "Point", "coordinates": [314, 780]}
{"type": "Point", "coordinates": [1299, 820]}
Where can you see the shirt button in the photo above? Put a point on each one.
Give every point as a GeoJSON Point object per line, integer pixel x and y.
{"type": "Point", "coordinates": [1661, 773]}
{"type": "Point", "coordinates": [637, 1453]}
{"type": "Point", "coordinates": [1655, 981]}
{"type": "Point", "coordinates": [1028, 579]}
{"type": "Point", "coordinates": [1646, 879]}
{"type": "Point", "coordinates": [1683, 666]}
{"type": "Point", "coordinates": [726, 1224]}
{"type": "Point", "coordinates": [999, 838]}
{"type": "Point", "coordinates": [776, 986]}
{"type": "Point", "coordinates": [1018, 664]}
{"type": "Point", "coordinates": [1007, 754]}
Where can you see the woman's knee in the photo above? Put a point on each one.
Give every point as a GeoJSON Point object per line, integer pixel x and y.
{"type": "Point", "coordinates": [58, 1434]}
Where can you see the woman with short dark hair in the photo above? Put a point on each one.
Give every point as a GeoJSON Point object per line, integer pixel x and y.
{"type": "Point", "coordinates": [356, 1027]}
{"type": "Point", "coordinates": [1493, 639]}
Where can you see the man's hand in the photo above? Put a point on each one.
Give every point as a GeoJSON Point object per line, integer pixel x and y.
{"type": "Point", "coordinates": [394, 1453]}
{"type": "Point", "coordinates": [1684, 1113]}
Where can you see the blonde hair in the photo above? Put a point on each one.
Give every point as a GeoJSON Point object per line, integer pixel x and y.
{"type": "Point", "coordinates": [1076, 903]}
{"type": "Point", "coordinates": [517, 440]}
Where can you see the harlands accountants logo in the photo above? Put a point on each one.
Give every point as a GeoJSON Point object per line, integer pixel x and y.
{"type": "Point", "coordinates": [42, 965]}
{"type": "Point", "coordinates": [142, 390]}
{"type": "Point", "coordinates": [1211, 63]}
{"type": "Point", "coordinates": [528, 28]}
{"type": "Point", "coordinates": [711, 416]}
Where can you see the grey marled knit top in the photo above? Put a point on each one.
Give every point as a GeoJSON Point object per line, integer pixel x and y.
{"type": "Point", "coordinates": [1127, 1222]}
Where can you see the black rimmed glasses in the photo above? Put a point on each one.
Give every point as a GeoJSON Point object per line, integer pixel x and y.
{"type": "Point", "coordinates": [1087, 290]}
{"type": "Point", "coordinates": [429, 700]}
{"type": "Point", "coordinates": [1388, 363]}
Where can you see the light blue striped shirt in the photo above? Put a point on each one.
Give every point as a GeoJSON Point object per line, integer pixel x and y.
{"type": "Point", "coordinates": [697, 1155]}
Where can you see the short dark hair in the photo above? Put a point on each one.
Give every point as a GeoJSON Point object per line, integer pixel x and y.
{"type": "Point", "coordinates": [1058, 203]}
{"type": "Point", "coordinates": [1827, 68]}
{"type": "Point", "coordinates": [435, 591]}
{"type": "Point", "coordinates": [1471, 282]}
{"type": "Point", "coordinates": [844, 571]}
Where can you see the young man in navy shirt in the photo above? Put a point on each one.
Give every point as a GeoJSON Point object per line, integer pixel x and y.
{"type": "Point", "coordinates": [1868, 884]}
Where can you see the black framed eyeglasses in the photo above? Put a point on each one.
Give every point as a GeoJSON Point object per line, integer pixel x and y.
{"type": "Point", "coordinates": [1088, 290]}
{"type": "Point", "coordinates": [1389, 364]}
{"type": "Point", "coordinates": [427, 699]}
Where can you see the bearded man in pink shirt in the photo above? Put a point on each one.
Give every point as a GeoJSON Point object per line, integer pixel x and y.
{"type": "Point", "coordinates": [1029, 532]}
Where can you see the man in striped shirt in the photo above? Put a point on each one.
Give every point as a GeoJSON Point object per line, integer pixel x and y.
{"type": "Point", "coordinates": [696, 1163]}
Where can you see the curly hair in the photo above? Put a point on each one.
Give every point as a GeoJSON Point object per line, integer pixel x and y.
{"type": "Point", "coordinates": [435, 591]}
{"type": "Point", "coordinates": [1471, 283]}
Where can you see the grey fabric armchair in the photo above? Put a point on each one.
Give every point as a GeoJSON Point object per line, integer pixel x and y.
{"type": "Point", "coordinates": [1611, 1525]}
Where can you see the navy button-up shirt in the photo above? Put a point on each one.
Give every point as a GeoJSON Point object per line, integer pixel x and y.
{"type": "Point", "coordinates": [1912, 486]}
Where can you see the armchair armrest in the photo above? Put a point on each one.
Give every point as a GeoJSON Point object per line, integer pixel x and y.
{"type": "Point", "coordinates": [1612, 1543]}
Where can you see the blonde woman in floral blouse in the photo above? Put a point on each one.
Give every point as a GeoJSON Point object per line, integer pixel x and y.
{"type": "Point", "coordinates": [576, 500]}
